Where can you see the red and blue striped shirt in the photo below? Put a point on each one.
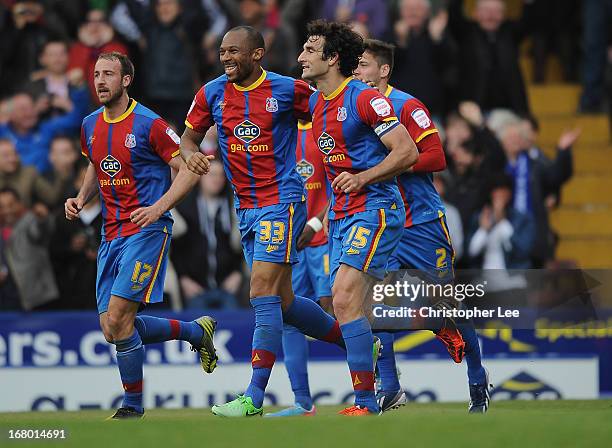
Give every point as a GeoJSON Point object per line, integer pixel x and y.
{"type": "Point", "coordinates": [130, 154]}
{"type": "Point", "coordinates": [257, 129]}
{"type": "Point", "coordinates": [347, 126]}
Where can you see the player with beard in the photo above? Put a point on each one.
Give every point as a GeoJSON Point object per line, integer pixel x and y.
{"type": "Point", "coordinates": [364, 147]}
{"type": "Point", "coordinates": [256, 115]}
{"type": "Point", "coordinates": [131, 153]}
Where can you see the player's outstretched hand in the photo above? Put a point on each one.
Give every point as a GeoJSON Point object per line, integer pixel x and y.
{"type": "Point", "coordinates": [347, 182]}
{"type": "Point", "coordinates": [72, 207]}
{"type": "Point", "coordinates": [199, 163]}
{"type": "Point", "coordinates": [145, 216]}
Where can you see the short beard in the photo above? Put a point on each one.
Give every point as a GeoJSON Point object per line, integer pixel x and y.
{"type": "Point", "coordinates": [113, 99]}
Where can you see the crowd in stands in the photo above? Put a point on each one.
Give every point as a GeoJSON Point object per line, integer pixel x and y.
{"type": "Point", "coordinates": [464, 65]}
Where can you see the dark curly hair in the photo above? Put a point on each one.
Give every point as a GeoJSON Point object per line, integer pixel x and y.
{"type": "Point", "coordinates": [339, 40]}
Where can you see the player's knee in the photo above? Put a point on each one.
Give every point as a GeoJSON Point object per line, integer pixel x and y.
{"type": "Point", "coordinates": [343, 306]}
{"type": "Point", "coordinates": [263, 285]}
{"type": "Point", "coordinates": [117, 325]}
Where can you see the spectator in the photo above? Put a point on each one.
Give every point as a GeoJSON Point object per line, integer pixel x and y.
{"type": "Point", "coordinates": [489, 69]}
{"type": "Point", "coordinates": [50, 86]}
{"type": "Point", "coordinates": [534, 178]}
{"type": "Point", "coordinates": [558, 26]}
{"type": "Point", "coordinates": [171, 51]}
{"type": "Point", "coordinates": [425, 55]}
{"type": "Point", "coordinates": [25, 235]}
{"type": "Point", "coordinates": [64, 157]}
{"type": "Point", "coordinates": [32, 136]}
{"type": "Point", "coordinates": [25, 180]}
{"type": "Point", "coordinates": [502, 237]}
{"type": "Point", "coordinates": [280, 41]}
{"type": "Point", "coordinates": [206, 258]}
{"type": "Point", "coordinates": [373, 13]}
{"type": "Point", "coordinates": [453, 218]}
{"type": "Point", "coordinates": [96, 36]}
{"type": "Point", "coordinates": [597, 16]}
{"type": "Point", "coordinates": [74, 248]}
{"type": "Point", "coordinates": [22, 40]}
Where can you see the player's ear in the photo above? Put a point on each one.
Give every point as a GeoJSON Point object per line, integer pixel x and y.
{"type": "Point", "coordinates": [258, 54]}
{"type": "Point", "coordinates": [126, 81]}
{"type": "Point", "coordinates": [385, 69]}
{"type": "Point", "coordinates": [333, 59]}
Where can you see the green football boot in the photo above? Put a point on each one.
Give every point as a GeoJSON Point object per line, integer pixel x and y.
{"type": "Point", "coordinates": [240, 407]}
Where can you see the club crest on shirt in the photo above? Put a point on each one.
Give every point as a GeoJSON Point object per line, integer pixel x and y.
{"type": "Point", "coordinates": [304, 169]}
{"type": "Point", "coordinates": [110, 165]}
{"type": "Point", "coordinates": [341, 116]}
{"type": "Point", "coordinates": [271, 104]}
{"type": "Point", "coordinates": [247, 131]}
{"type": "Point", "coordinates": [380, 106]}
{"type": "Point", "coordinates": [130, 141]}
{"type": "Point", "coordinates": [326, 143]}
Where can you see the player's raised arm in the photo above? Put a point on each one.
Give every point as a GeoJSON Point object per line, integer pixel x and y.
{"type": "Point", "coordinates": [89, 188]}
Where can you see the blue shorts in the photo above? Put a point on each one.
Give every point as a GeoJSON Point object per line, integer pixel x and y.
{"type": "Point", "coordinates": [271, 233]}
{"type": "Point", "coordinates": [132, 267]}
{"type": "Point", "coordinates": [365, 240]}
{"type": "Point", "coordinates": [426, 247]}
{"type": "Point", "coordinates": [310, 276]}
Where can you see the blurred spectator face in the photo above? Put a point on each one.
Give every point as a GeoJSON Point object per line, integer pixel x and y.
{"type": "Point", "coordinates": [457, 132]}
{"type": "Point", "coordinates": [167, 11]}
{"type": "Point", "coordinates": [95, 31]}
{"type": "Point", "coordinates": [23, 112]}
{"type": "Point", "coordinates": [108, 81]}
{"type": "Point", "coordinates": [26, 11]}
{"type": "Point", "coordinates": [361, 29]}
{"type": "Point", "coordinates": [513, 140]}
{"type": "Point", "coordinates": [9, 160]}
{"type": "Point", "coordinates": [490, 14]}
{"type": "Point", "coordinates": [54, 58]}
{"type": "Point", "coordinates": [11, 209]}
{"type": "Point", "coordinates": [501, 197]}
{"type": "Point", "coordinates": [214, 182]}
{"type": "Point", "coordinates": [252, 11]}
{"type": "Point", "coordinates": [368, 69]}
{"type": "Point", "coordinates": [311, 59]}
{"type": "Point", "coordinates": [62, 154]}
{"type": "Point", "coordinates": [415, 13]}
{"type": "Point", "coordinates": [235, 54]}
{"type": "Point", "coordinates": [463, 159]}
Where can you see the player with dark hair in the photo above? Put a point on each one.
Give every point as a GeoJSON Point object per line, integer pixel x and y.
{"type": "Point", "coordinates": [131, 153]}
{"type": "Point", "coordinates": [425, 244]}
{"type": "Point", "coordinates": [256, 114]}
{"type": "Point", "coordinates": [364, 147]}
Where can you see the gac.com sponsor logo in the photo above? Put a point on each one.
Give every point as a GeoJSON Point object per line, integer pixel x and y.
{"type": "Point", "coordinates": [247, 131]}
{"type": "Point", "coordinates": [114, 182]}
{"type": "Point", "coordinates": [234, 147]}
{"type": "Point", "coordinates": [110, 165]}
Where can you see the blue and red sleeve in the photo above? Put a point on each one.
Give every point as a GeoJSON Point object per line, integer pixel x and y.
{"type": "Point", "coordinates": [417, 120]}
{"type": "Point", "coordinates": [376, 110]}
{"type": "Point", "coordinates": [163, 140]}
{"type": "Point", "coordinates": [198, 117]}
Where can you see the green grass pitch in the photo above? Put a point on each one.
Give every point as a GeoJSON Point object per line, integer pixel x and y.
{"type": "Point", "coordinates": [508, 423]}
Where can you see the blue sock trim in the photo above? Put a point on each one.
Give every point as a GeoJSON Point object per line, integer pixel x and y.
{"type": "Point", "coordinates": [130, 344]}
{"type": "Point", "coordinates": [265, 300]}
{"type": "Point", "coordinates": [356, 328]}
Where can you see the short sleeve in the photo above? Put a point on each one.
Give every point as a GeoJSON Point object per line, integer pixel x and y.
{"type": "Point", "coordinates": [417, 120]}
{"type": "Point", "coordinates": [84, 149]}
{"type": "Point", "coordinates": [301, 98]}
{"type": "Point", "coordinates": [198, 117]}
{"type": "Point", "coordinates": [164, 141]}
{"type": "Point", "coordinates": [376, 111]}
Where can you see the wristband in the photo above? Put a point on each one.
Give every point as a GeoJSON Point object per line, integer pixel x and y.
{"type": "Point", "coordinates": [315, 223]}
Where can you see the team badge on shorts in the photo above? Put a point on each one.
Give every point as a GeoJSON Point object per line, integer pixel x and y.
{"type": "Point", "coordinates": [130, 141]}
{"type": "Point", "coordinates": [341, 114]}
{"type": "Point", "coordinates": [271, 104]}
